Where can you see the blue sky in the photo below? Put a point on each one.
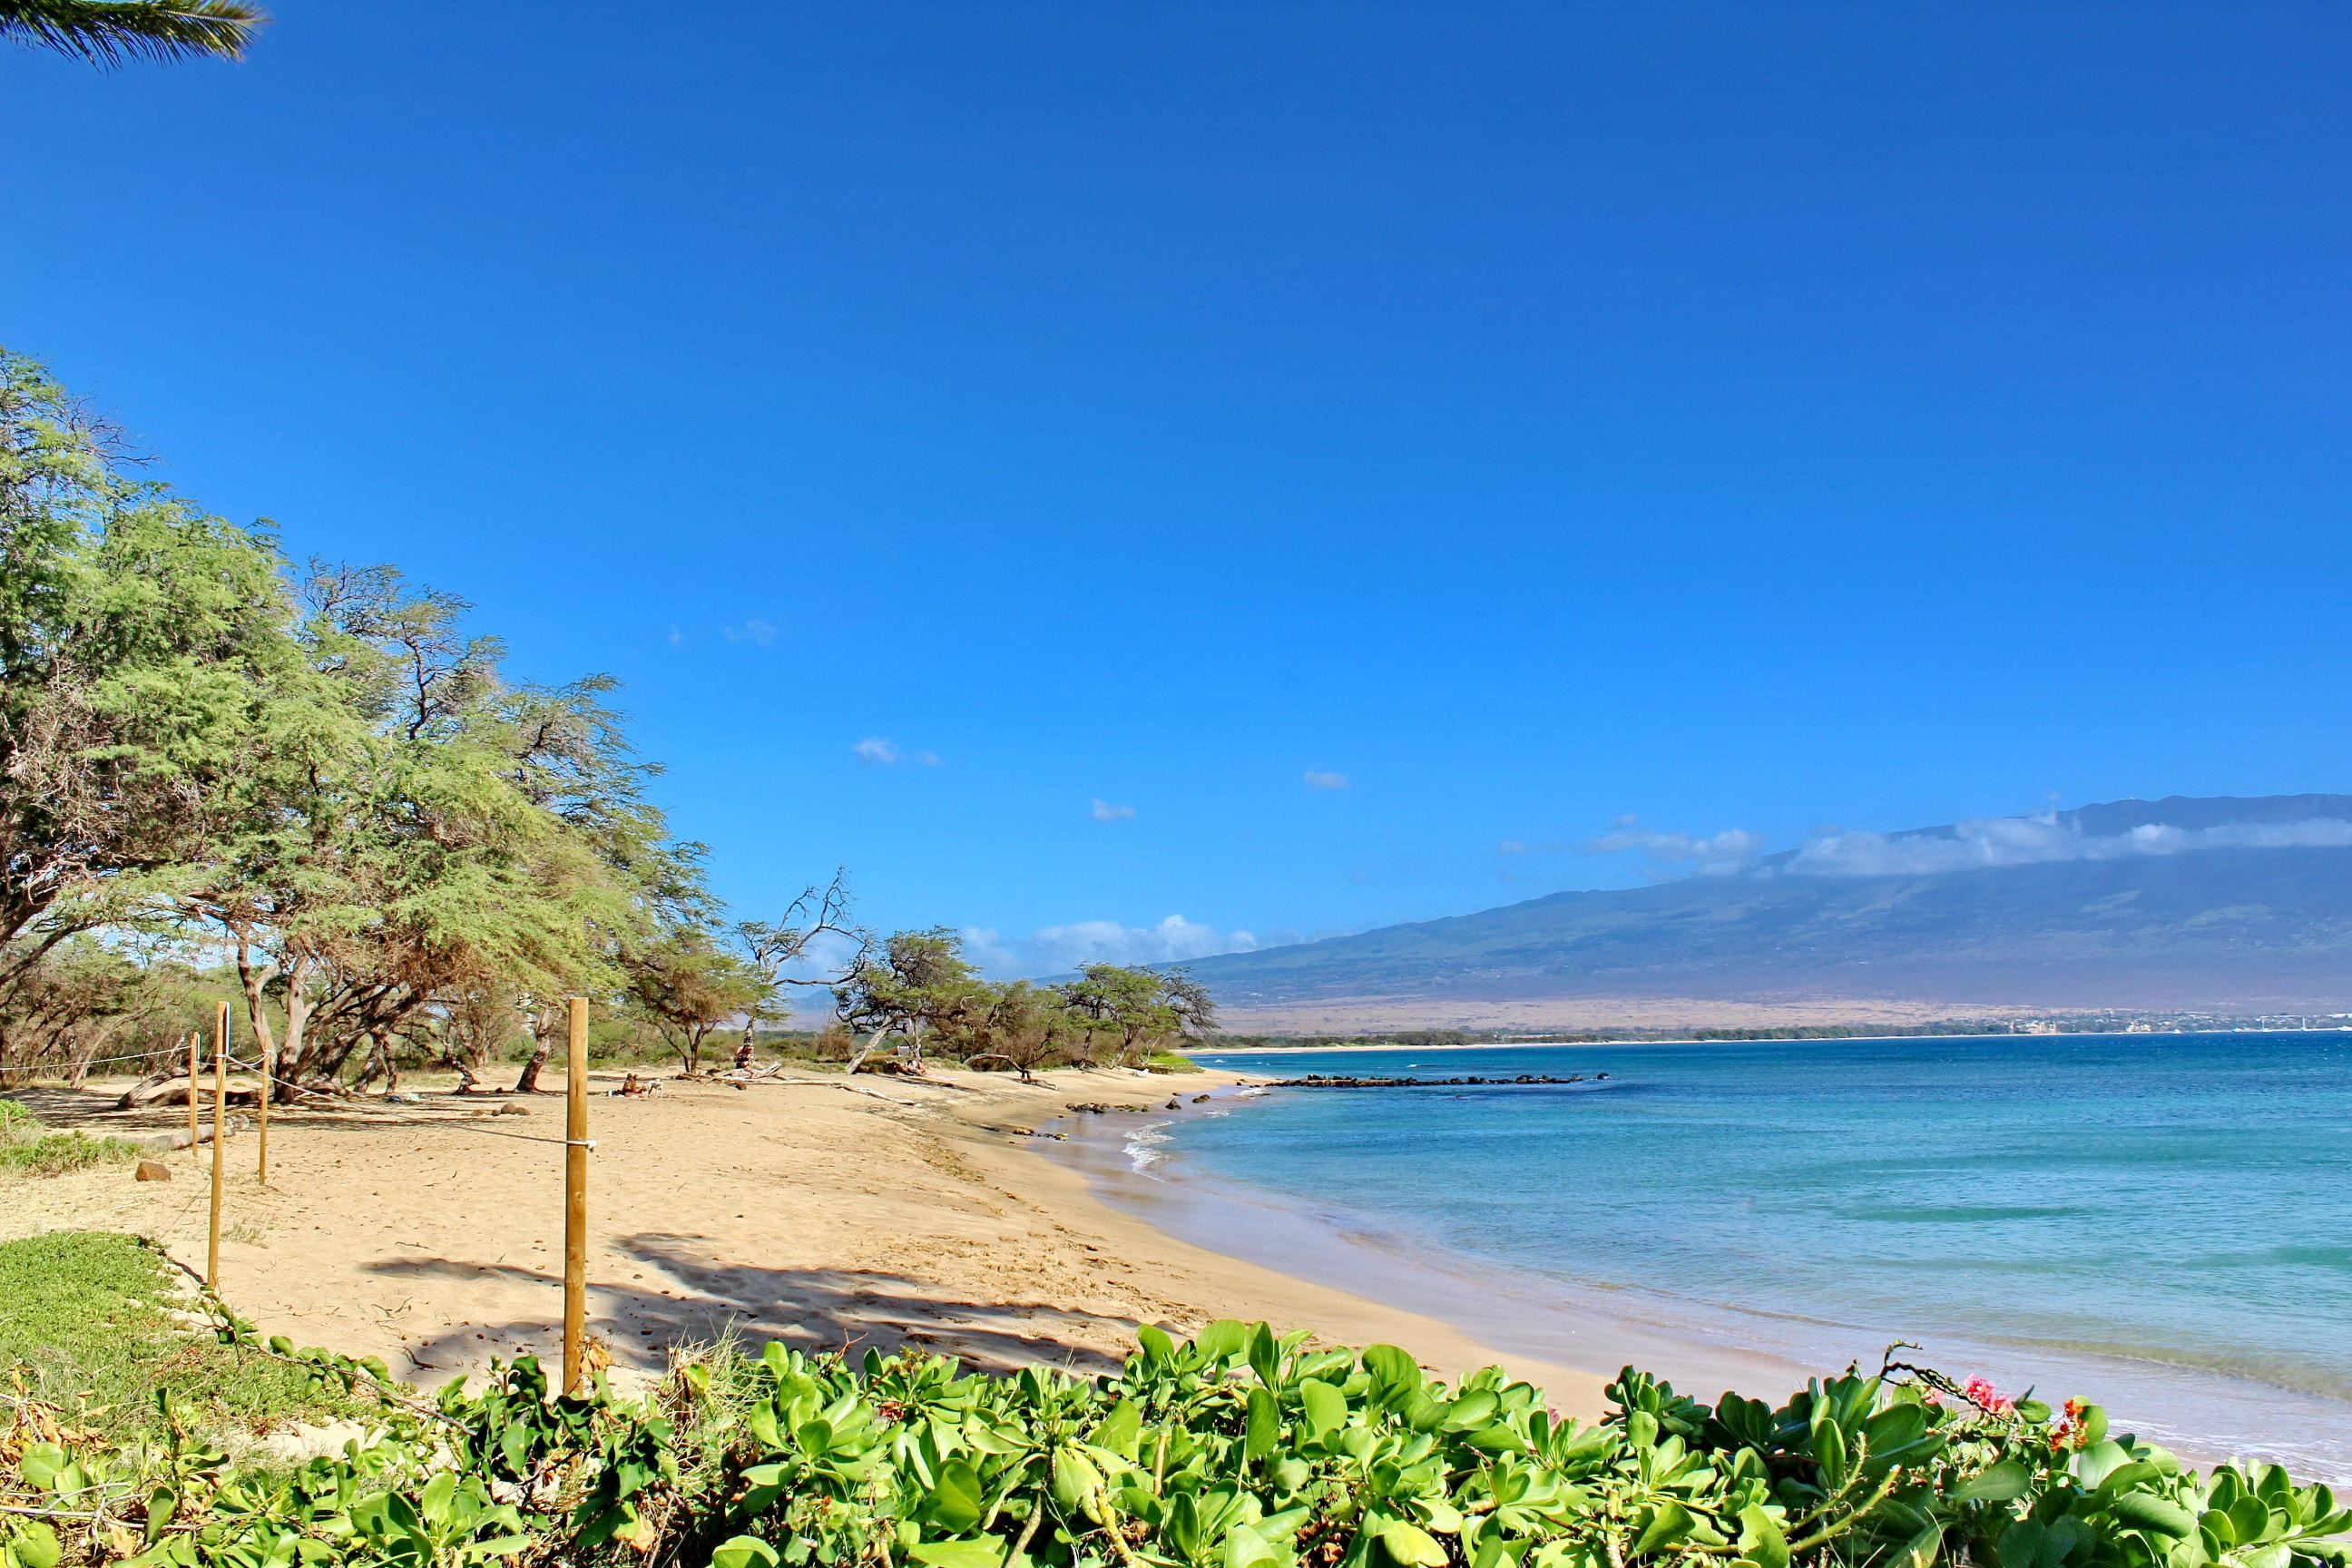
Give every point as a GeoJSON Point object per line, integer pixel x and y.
{"type": "Point", "coordinates": [1744, 418]}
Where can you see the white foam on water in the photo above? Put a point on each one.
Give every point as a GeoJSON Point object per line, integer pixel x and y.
{"type": "Point", "coordinates": [1143, 1145]}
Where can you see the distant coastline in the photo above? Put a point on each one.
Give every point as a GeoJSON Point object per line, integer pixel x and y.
{"type": "Point", "coordinates": [1794, 1035]}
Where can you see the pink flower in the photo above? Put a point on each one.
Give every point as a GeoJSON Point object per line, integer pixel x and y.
{"type": "Point", "coordinates": [1986, 1396]}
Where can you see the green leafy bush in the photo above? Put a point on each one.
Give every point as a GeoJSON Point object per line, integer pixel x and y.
{"type": "Point", "coordinates": [1239, 1449]}
{"type": "Point", "coordinates": [27, 1150]}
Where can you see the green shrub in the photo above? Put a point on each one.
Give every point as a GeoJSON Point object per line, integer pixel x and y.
{"type": "Point", "coordinates": [92, 1326]}
{"type": "Point", "coordinates": [1240, 1449]}
{"type": "Point", "coordinates": [26, 1150]}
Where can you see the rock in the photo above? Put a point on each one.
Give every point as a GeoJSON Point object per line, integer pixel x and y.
{"type": "Point", "coordinates": [1174, 1103]}
{"type": "Point", "coordinates": [1200, 1100]}
{"type": "Point", "coordinates": [153, 1171]}
{"type": "Point", "coordinates": [1326, 1080]}
{"type": "Point", "coordinates": [512, 1107]}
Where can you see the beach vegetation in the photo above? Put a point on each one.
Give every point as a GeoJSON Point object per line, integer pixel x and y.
{"type": "Point", "coordinates": [96, 1341]}
{"type": "Point", "coordinates": [1238, 1448]}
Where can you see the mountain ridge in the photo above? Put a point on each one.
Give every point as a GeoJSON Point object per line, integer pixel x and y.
{"type": "Point", "coordinates": [2225, 904]}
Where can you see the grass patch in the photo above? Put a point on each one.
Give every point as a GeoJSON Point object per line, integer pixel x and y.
{"type": "Point", "coordinates": [27, 1150]}
{"type": "Point", "coordinates": [1170, 1061]}
{"type": "Point", "coordinates": [87, 1322]}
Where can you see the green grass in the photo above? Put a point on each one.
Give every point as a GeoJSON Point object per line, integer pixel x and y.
{"type": "Point", "coordinates": [1170, 1061]}
{"type": "Point", "coordinates": [87, 1322]}
{"type": "Point", "coordinates": [26, 1150]}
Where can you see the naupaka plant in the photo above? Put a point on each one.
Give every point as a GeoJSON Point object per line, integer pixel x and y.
{"type": "Point", "coordinates": [1238, 1448]}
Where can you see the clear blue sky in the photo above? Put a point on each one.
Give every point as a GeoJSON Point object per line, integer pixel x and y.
{"type": "Point", "coordinates": [1743, 417]}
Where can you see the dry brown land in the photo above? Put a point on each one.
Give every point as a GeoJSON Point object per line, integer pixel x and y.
{"type": "Point", "coordinates": [828, 1213]}
{"type": "Point", "coordinates": [1384, 1015]}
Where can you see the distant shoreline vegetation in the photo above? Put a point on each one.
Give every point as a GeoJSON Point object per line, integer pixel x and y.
{"type": "Point", "coordinates": [2082, 1024]}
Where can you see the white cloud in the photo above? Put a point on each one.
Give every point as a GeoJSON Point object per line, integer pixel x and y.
{"type": "Point", "coordinates": [2039, 840]}
{"type": "Point", "coordinates": [886, 754]}
{"type": "Point", "coordinates": [1104, 811]}
{"type": "Point", "coordinates": [1512, 846]}
{"type": "Point", "coordinates": [1055, 950]}
{"type": "Point", "coordinates": [1318, 779]}
{"type": "Point", "coordinates": [676, 637]}
{"type": "Point", "coordinates": [1711, 854]}
{"type": "Point", "coordinates": [755, 631]}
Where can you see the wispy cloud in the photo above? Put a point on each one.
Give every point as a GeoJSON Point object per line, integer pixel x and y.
{"type": "Point", "coordinates": [1671, 853]}
{"type": "Point", "coordinates": [2039, 840]}
{"type": "Point", "coordinates": [1318, 779]}
{"type": "Point", "coordinates": [1055, 950]}
{"type": "Point", "coordinates": [757, 631]}
{"type": "Point", "coordinates": [882, 753]}
{"type": "Point", "coordinates": [1104, 810]}
{"type": "Point", "coordinates": [676, 637]}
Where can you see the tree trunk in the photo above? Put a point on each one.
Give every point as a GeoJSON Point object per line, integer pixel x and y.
{"type": "Point", "coordinates": [857, 1058]}
{"type": "Point", "coordinates": [544, 1027]}
{"type": "Point", "coordinates": [252, 979]}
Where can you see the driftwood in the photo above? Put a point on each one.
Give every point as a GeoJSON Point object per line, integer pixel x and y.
{"type": "Point", "coordinates": [166, 1142]}
{"type": "Point", "coordinates": [172, 1088]}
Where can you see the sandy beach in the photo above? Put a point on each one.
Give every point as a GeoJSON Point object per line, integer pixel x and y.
{"type": "Point", "coordinates": [828, 1213]}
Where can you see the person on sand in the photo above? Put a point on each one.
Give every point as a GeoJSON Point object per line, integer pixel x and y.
{"type": "Point", "coordinates": [743, 1056]}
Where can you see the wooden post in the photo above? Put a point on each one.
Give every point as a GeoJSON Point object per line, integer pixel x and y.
{"type": "Point", "coordinates": [575, 1197]}
{"type": "Point", "coordinates": [261, 1112]}
{"type": "Point", "coordinates": [220, 1123]}
{"type": "Point", "coordinates": [195, 1134]}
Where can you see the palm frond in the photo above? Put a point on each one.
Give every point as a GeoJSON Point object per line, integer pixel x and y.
{"type": "Point", "coordinates": [109, 32]}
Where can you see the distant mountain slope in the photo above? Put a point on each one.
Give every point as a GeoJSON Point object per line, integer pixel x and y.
{"type": "Point", "coordinates": [2240, 905]}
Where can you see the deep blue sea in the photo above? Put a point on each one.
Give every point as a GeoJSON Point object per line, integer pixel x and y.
{"type": "Point", "coordinates": [2160, 1222]}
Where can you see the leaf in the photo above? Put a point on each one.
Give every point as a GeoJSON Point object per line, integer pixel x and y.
{"type": "Point", "coordinates": [2004, 1482]}
{"type": "Point", "coordinates": [1157, 1348]}
{"type": "Point", "coordinates": [982, 1553]}
{"type": "Point", "coordinates": [37, 1546]}
{"type": "Point", "coordinates": [1669, 1526]}
{"type": "Point", "coordinates": [1265, 1356]}
{"type": "Point", "coordinates": [1121, 1429]}
{"type": "Point", "coordinates": [40, 1465]}
{"type": "Point", "coordinates": [1076, 1482]}
{"type": "Point", "coordinates": [1246, 1548]}
{"type": "Point", "coordinates": [1265, 1429]}
{"type": "Point", "coordinates": [2146, 1511]}
{"type": "Point", "coordinates": [1761, 1540]}
{"type": "Point", "coordinates": [955, 1503]}
{"type": "Point", "coordinates": [1223, 1340]}
{"type": "Point", "coordinates": [1324, 1406]}
{"type": "Point", "coordinates": [1920, 1551]}
{"type": "Point", "coordinates": [1410, 1544]}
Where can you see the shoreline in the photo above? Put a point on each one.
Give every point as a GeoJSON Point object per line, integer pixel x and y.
{"type": "Point", "coordinates": [1700, 1346]}
{"type": "Point", "coordinates": [1346, 1043]}
{"type": "Point", "coordinates": [829, 1213]}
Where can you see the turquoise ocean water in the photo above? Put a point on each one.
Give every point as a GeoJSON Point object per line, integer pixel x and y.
{"type": "Point", "coordinates": [2160, 1222]}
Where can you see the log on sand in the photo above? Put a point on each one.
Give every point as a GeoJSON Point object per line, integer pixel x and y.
{"type": "Point", "coordinates": [172, 1088]}
{"type": "Point", "coordinates": [165, 1142]}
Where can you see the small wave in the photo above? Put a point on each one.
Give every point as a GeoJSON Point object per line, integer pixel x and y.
{"type": "Point", "coordinates": [1143, 1146]}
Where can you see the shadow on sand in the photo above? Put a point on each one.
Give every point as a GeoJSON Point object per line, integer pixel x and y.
{"type": "Point", "coordinates": [687, 1298]}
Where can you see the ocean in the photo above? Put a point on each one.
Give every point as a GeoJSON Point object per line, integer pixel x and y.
{"type": "Point", "coordinates": [2162, 1223]}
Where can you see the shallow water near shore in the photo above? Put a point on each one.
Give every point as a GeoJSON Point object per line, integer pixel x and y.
{"type": "Point", "coordinates": [2162, 1223]}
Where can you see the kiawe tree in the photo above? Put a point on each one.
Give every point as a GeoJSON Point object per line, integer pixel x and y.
{"type": "Point", "coordinates": [776, 948]}
{"type": "Point", "coordinates": [688, 986]}
{"type": "Point", "coordinates": [917, 980]}
{"type": "Point", "coordinates": [139, 636]}
{"type": "Point", "coordinates": [1138, 1011]}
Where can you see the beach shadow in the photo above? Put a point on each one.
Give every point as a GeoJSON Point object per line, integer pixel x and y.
{"type": "Point", "coordinates": [687, 1298]}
